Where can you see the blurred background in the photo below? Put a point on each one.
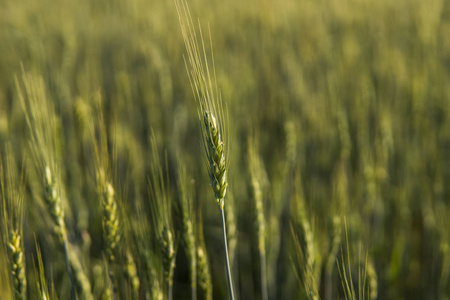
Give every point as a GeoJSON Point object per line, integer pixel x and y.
{"type": "Point", "coordinates": [346, 102]}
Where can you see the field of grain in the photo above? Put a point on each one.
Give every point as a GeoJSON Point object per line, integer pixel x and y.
{"type": "Point", "coordinates": [326, 142]}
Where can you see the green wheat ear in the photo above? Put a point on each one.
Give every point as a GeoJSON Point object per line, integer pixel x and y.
{"type": "Point", "coordinates": [111, 219]}
{"type": "Point", "coordinates": [12, 191]}
{"type": "Point", "coordinates": [43, 124]}
{"type": "Point", "coordinates": [17, 264]}
{"type": "Point", "coordinates": [161, 204]}
{"type": "Point", "coordinates": [211, 110]}
{"type": "Point", "coordinates": [216, 158]}
{"type": "Point", "coordinates": [188, 225]}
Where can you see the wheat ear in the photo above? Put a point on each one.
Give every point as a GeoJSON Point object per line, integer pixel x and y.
{"type": "Point", "coordinates": [149, 261]}
{"type": "Point", "coordinates": [372, 279]}
{"type": "Point", "coordinates": [309, 253]}
{"type": "Point", "coordinates": [162, 216]}
{"type": "Point", "coordinates": [332, 255]}
{"type": "Point", "coordinates": [130, 273]}
{"type": "Point", "coordinates": [129, 268]}
{"type": "Point", "coordinates": [110, 220]}
{"type": "Point", "coordinates": [42, 122]}
{"type": "Point", "coordinates": [12, 208]}
{"type": "Point", "coordinates": [255, 170]}
{"type": "Point", "coordinates": [204, 274]}
{"type": "Point", "coordinates": [218, 178]}
{"type": "Point", "coordinates": [108, 199]}
{"type": "Point", "coordinates": [211, 111]}
{"type": "Point", "coordinates": [188, 226]}
{"type": "Point", "coordinates": [17, 264]}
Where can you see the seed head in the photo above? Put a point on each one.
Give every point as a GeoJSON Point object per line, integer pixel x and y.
{"type": "Point", "coordinates": [216, 158]}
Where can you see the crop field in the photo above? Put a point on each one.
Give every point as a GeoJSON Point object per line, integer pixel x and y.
{"type": "Point", "coordinates": [313, 134]}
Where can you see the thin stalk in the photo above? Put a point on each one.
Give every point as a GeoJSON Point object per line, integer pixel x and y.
{"type": "Point", "coordinates": [265, 295]}
{"type": "Point", "coordinates": [194, 293]}
{"type": "Point", "coordinates": [170, 291]}
{"type": "Point", "coordinates": [73, 295]}
{"type": "Point", "coordinates": [112, 278]}
{"type": "Point", "coordinates": [225, 248]}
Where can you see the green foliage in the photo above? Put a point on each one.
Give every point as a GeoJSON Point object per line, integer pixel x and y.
{"type": "Point", "coordinates": [347, 105]}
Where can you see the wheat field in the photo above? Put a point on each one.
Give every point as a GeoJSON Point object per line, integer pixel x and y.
{"type": "Point", "coordinates": [313, 134]}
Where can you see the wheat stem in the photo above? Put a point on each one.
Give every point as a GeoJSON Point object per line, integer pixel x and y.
{"type": "Point", "coordinates": [227, 261]}
{"type": "Point", "coordinates": [188, 228]}
{"type": "Point", "coordinates": [54, 203]}
{"type": "Point", "coordinates": [204, 275]}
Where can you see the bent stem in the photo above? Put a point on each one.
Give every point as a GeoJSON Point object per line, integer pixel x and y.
{"type": "Point", "coordinates": [225, 248]}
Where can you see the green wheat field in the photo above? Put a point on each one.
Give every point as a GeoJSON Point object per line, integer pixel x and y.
{"type": "Point", "coordinates": [314, 134]}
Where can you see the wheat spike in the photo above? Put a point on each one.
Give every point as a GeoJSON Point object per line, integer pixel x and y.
{"type": "Point", "coordinates": [162, 216]}
{"type": "Point", "coordinates": [17, 264]}
{"type": "Point", "coordinates": [257, 178]}
{"type": "Point", "coordinates": [110, 220]}
{"type": "Point", "coordinates": [216, 158]}
{"type": "Point", "coordinates": [204, 275]}
{"type": "Point", "coordinates": [131, 274]}
{"type": "Point", "coordinates": [211, 110]}
{"type": "Point", "coordinates": [42, 123]}
{"type": "Point", "coordinates": [188, 226]}
{"type": "Point", "coordinates": [12, 194]}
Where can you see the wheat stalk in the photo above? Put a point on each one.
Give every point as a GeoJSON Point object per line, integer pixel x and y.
{"type": "Point", "coordinates": [232, 234]}
{"type": "Point", "coordinates": [188, 226]}
{"type": "Point", "coordinates": [41, 283]}
{"type": "Point", "coordinates": [211, 113]}
{"type": "Point", "coordinates": [204, 275]}
{"type": "Point", "coordinates": [309, 253]}
{"type": "Point", "coordinates": [256, 171]}
{"type": "Point", "coordinates": [129, 267]}
{"type": "Point", "coordinates": [42, 122]}
{"type": "Point", "coordinates": [162, 216]}
{"type": "Point", "coordinates": [12, 208]}
{"type": "Point", "coordinates": [372, 279]}
{"type": "Point", "coordinates": [148, 260]}
{"type": "Point", "coordinates": [331, 260]}
{"type": "Point", "coordinates": [107, 194]}
{"type": "Point", "coordinates": [81, 280]}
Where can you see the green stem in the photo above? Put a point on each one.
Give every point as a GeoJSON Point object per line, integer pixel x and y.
{"type": "Point", "coordinates": [170, 292]}
{"type": "Point", "coordinates": [225, 247]}
{"type": "Point", "coordinates": [69, 271]}
{"type": "Point", "coordinates": [264, 293]}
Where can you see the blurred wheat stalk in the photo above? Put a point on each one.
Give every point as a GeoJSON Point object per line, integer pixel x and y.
{"type": "Point", "coordinates": [12, 197]}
